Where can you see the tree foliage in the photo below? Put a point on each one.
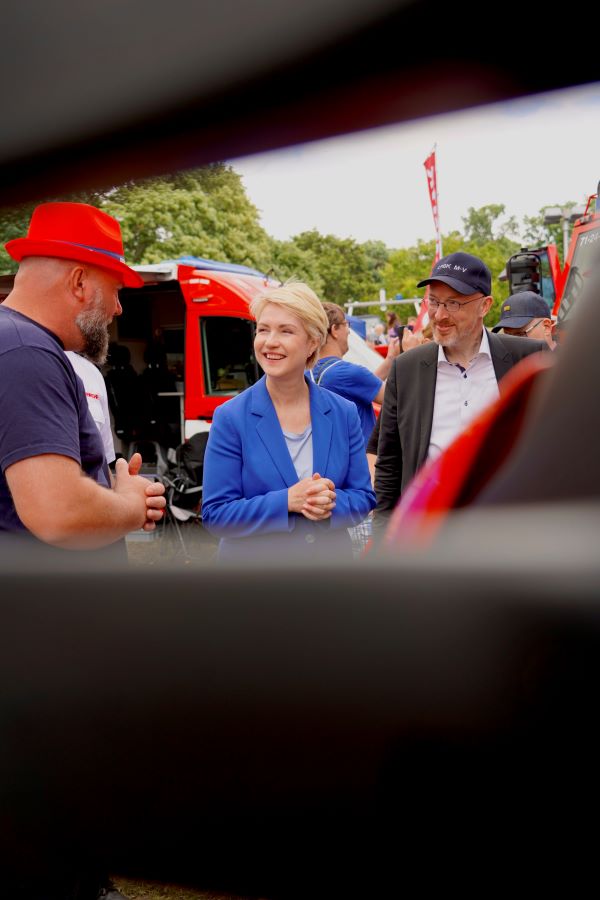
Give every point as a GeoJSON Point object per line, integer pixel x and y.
{"type": "Point", "coordinates": [377, 257]}
{"type": "Point", "coordinates": [537, 234]}
{"type": "Point", "coordinates": [408, 266]}
{"type": "Point", "coordinates": [483, 225]}
{"type": "Point", "coordinates": [14, 221]}
{"type": "Point", "coordinates": [13, 224]}
{"type": "Point", "coordinates": [289, 261]}
{"type": "Point", "coordinates": [339, 269]}
{"type": "Point", "coordinates": [202, 212]}
{"type": "Point", "coordinates": [205, 212]}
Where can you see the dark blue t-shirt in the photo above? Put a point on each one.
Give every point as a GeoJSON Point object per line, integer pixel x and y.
{"type": "Point", "coordinates": [43, 408]}
{"type": "Point", "coordinates": [354, 383]}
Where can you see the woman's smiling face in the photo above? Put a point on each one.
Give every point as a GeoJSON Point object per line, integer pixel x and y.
{"type": "Point", "coordinates": [282, 344]}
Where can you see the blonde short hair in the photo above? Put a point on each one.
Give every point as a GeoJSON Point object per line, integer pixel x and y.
{"type": "Point", "coordinates": [303, 303]}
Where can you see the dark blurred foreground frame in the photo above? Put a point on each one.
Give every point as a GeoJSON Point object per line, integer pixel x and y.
{"type": "Point", "coordinates": [426, 719]}
{"type": "Point", "coordinates": [99, 95]}
{"type": "Point", "coordinates": [285, 734]}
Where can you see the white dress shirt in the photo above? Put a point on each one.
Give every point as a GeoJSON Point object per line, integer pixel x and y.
{"type": "Point", "coordinates": [460, 395]}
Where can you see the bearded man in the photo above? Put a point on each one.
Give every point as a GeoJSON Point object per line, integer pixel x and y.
{"type": "Point", "coordinates": [434, 391]}
{"type": "Point", "coordinates": [54, 482]}
{"type": "Point", "coordinates": [65, 296]}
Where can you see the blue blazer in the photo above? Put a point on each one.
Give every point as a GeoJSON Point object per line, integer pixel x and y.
{"type": "Point", "coordinates": [248, 470]}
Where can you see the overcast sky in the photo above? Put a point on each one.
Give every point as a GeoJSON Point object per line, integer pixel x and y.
{"type": "Point", "coordinates": [526, 154]}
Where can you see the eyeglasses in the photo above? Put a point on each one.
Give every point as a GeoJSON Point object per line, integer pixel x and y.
{"type": "Point", "coordinates": [451, 306]}
{"type": "Point", "coordinates": [521, 332]}
{"type": "Point", "coordinates": [339, 325]}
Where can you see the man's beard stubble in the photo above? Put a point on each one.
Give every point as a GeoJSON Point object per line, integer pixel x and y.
{"type": "Point", "coordinates": [448, 340]}
{"type": "Point", "coordinates": [94, 330]}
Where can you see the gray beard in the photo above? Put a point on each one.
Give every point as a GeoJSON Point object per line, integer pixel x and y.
{"type": "Point", "coordinates": [94, 330]}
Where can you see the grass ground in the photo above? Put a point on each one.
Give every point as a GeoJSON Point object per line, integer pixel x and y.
{"type": "Point", "coordinates": [166, 547]}
{"type": "Point", "coordinates": [146, 890]}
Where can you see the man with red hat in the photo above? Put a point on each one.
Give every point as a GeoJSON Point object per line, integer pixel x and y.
{"type": "Point", "coordinates": [65, 295]}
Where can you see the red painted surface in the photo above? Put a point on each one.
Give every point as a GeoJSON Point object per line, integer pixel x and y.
{"type": "Point", "coordinates": [557, 276]}
{"type": "Point", "coordinates": [210, 293]}
{"type": "Point", "coordinates": [588, 224]}
{"type": "Point", "coordinates": [463, 470]}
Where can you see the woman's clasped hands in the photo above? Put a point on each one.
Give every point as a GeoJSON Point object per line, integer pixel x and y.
{"type": "Point", "coordinates": [313, 498]}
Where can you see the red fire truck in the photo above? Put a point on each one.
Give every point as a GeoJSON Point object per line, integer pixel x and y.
{"type": "Point", "coordinates": [585, 242]}
{"type": "Point", "coordinates": [192, 314]}
{"type": "Point", "coordinates": [197, 312]}
{"type": "Point", "coordinates": [539, 269]}
{"type": "Point", "coordinates": [189, 328]}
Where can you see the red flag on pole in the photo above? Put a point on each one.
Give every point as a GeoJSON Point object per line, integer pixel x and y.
{"type": "Point", "coordinates": [430, 171]}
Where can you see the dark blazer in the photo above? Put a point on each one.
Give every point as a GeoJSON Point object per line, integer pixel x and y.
{"type": "Point", "coordinates": [248, 470]}
{"type": "Point", "coordinates": [407, 412]}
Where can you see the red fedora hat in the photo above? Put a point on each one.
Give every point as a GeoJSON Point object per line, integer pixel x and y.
{"type": "Point", "coordinates": [79, 232]}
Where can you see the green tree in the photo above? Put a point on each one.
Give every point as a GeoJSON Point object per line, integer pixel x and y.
{"type": "Point", "coordinates": [14, 221]}
{"type": "Point", "coordinates": [291, 262]}
{"type": "Point", "coordinates": [343, 266]}
{"type": "Point", "coordinates": [410, 265]}
{"type": "Point", "coordinates": [377, 257]}
{"type": "Point", "coordinates": [537, 234]}
{"type": "Point", "coordinates": [483, 225]}
{"type": "Point", "coordinates": [495, 255]}
{"type": "Point", "coordinates": [338, 269]}
{"type": "Point", "coordinates": [202, 212]}
{"type": "Point", "coordinates": [13, 224]}
{"type": "Point", "coordinates": [205, 212]}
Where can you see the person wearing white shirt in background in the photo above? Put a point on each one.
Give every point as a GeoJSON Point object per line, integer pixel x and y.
{"type": "Point", "coordinates": [97, 400]}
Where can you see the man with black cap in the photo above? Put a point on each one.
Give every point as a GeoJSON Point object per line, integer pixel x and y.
{"type": "Point", "coordinates": [526, 314]}
{"type": "Point", "coordinates": [436, 389]}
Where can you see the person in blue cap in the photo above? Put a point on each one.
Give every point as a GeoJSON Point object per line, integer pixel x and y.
{"type": "Point", "coordinates": [526, 314]}
{"type": "Point", "coordinates": [433, 392]}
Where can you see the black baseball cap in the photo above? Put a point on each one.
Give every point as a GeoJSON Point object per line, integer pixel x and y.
{"type": "Point", "coordinates": [465, 273]}
{"type": "Point", "coordinates": [520, 309]}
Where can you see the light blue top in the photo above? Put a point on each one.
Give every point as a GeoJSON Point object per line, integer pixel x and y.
{"type": "Point", "coordinates": [248, 472]}
{"type": "Point", "coordinates": [301, 450]}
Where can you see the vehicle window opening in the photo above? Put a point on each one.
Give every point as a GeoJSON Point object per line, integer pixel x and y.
{"type": "Point", "coordinates": [145, 365]}
{"type": "Point", "coordinates": [228, 354]}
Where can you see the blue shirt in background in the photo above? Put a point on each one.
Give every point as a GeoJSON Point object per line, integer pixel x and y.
{"type": "Point", "coordinates": [354, 383]}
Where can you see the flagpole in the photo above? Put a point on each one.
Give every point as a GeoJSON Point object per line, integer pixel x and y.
{"type": "Point", "coordinates": [431, 173]}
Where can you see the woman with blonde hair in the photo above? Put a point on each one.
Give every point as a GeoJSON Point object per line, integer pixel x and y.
{"type": "Point", "coordinates": [285, 472]}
